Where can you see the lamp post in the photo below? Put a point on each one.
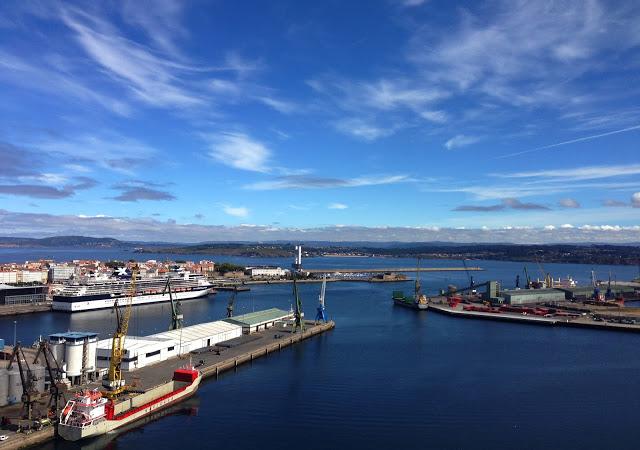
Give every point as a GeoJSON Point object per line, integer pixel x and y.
{"type": "Point", "coordinates": [15, 325]}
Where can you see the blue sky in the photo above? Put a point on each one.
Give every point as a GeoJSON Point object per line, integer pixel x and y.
{"type": "Point", "coordinates": [375, 120]}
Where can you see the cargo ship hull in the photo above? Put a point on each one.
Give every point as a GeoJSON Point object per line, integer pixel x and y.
{"type": "Point", "coordinates": [411, 304]}
{"type": "Point", "coordinates": [125, 413]}
{"type": "Point", "coordinates": [78, 304]}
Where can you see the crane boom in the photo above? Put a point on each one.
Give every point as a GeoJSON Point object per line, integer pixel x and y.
{"type": "Point", "coordinates": [114, 382]}
{"type": "Point", "coordinates": [176, 308]}
{"type": "Point", "coordinates": [26, 378]}
{"type": "Point", "coordinates": [232, 301]}
{"type": "Point", "coordinates": [55, 374]}
{"type": "Point", "coordinates": [320, 315]}
{"type": "Point", "coordinates": [298, 320]}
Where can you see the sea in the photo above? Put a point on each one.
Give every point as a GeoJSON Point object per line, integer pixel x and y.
{"type": "Point", "coordinates": [386, 377]}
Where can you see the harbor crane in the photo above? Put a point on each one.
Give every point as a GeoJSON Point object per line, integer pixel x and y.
{"type": "Point", "coordinates": [113, 381]}
{"type": "Point", "coordinates": [26, 378]}
{"type": "Point", "coordinates": [469, 276]}
{"type": "Point", "coordinates": [320, 315]}
{"type": "Point", "coordinates": [527, 277]}
{"type": "Point", "coordinates": [297, 314]}
{"type": "Point", "coordinates": [232, 301]}
{"type": "Point", "coordinates": [176, 308]}
{"type": "Point", "coordinates": [55, 376]}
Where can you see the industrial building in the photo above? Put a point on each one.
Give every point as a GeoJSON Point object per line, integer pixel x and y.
{"type": "Point", "coordinates": [531, 296]}
{"type": "Point", "coordinates": [20, 295]}
{"type": "Point", "coordinates": [24, 276]}
{"type": "Point", "coordinates": [61, 272]}
{"type": "Point", "coordinates": [260, 320]}
{"type": "Point", "coordinates": [143, 351]}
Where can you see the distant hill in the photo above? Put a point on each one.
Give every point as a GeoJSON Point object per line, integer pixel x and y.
{"type": "Point", "coordinates": [559, 253]}
{"type": "Point", "coordinates": [62, 241]}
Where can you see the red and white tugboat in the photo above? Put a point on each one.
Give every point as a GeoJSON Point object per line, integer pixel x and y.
{"type": "Point", "coordinates": [90, 414]}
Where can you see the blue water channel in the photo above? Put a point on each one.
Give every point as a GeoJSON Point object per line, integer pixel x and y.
{"type": "Point", "coordinates": [393, 378]}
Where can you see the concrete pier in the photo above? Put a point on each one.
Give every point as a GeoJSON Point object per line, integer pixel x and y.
{"type": "Point", "coordinates": [584, 321]}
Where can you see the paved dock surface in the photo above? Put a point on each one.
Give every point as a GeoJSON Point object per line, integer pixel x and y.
{"type": "Point", "coordinates": [585, 321]}
{"type": "Point", "coordinates": [11, 310]}
{"type": "Point", "coordinates": [226, 355]}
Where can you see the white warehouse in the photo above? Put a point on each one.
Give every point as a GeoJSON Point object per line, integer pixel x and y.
{"type": "Point", "coordinates": [266, 272]}
{"type": "Point", "coordinates": [147, 350]}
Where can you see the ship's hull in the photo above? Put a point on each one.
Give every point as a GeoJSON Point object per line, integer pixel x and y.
{"type": "Point", "coordinates": [412, 305]}
{"type": "Point", "coordinates": [78, 304]}
{"type": "Point", "coordinates": [74, 433]}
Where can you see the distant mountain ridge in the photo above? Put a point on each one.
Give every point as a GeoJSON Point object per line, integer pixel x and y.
{"type": "Point", "coordinates": [61, 241]}
{"type": "Point", "coordinates": [560, 253]}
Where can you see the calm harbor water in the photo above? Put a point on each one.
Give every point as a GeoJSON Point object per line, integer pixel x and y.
{"type": "Point", "coordinates": [389, 377]}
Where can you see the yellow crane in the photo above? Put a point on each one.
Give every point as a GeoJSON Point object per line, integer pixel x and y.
{"type": "Point", "coordinates": [113, 381]}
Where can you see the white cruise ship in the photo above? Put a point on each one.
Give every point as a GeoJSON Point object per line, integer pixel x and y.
{"type": "Point", "coordinates": [102, 294]}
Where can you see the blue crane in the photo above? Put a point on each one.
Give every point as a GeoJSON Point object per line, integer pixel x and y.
{"type": "Point", "coordinates": [320, 315]}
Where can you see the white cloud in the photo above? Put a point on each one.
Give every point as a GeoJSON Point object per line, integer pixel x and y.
{"type": "Point", "coordinates": [110, 151]}
{"type": "Point", "coordinates": [235, 211]}
{"type": "Point", "coordinates": [635, 200]}
{"type": "Point", "coordinates": [312, 182]}
{"type": "Point", "coordinates": [281, 106]}
{"type": "Point", "coordinates": [150, 78]}
{"type": "Point", "coordinates": [149, 229]}
{"type": "Point", "coordinates": [569, 203]}
{"type": "Point", "coordinates": [161, 23]}
{"type": "Point", "coordinates": [572, 141]}
{"type": "Point", "coordinates": [48, 78]}
{"type": "Point", "coordinates": [439, 117]}
{"type": "Point", "coordinates": [578, 173]}
{"type": "Point", "coordinates": [410, 3]}
{"type": "Point", "coordinates": [460, 140]}
{"type": "Point", "coordinates": [337, 206]}
{"type": "Point", "coordinates": [363, 129]}
{"type": "Point", "coordinates": [239, 150]}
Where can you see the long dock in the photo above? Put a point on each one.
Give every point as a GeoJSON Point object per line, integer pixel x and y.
{"type": "Point", "coordinates": [11, 310]}
{"type": "Point", "coordinates": [230, 354]}
{"type": "Point", "coordinates": [578, 322]}
{"type": "Point", "coordinates": [395, 269]}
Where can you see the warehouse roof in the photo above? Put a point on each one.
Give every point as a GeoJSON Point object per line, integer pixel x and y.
{"type": "Point", "coordinates": [133, 343]}
{"type": "Point", "coordinates": [530, 291]}
{"type": "Point", "coordinates": [260, 317]}
{"type": "Point", "coordinates": [186, 334]}
{"type": "Point", "coordinates": [74, 335]}
{"type": "Point", "coordinates": [194, 332]}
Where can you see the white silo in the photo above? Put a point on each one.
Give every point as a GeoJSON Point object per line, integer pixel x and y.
{"type": "Point", "coordinates": [56, 344]}
{"type": "Point", "coordinates": [73, 356]}
{"type": "Point", "coordinates": [91, 352]}
{"type": "Point", "coordinates": [15, 386]}
{"type": "Point", "coordinates": [4, 387]}
{"type": "Point", "coordinates": [38, 373]}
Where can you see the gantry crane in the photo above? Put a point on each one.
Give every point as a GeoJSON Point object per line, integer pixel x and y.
{"type": "Point", "coordinates": [469, 276]}
{"type": "Point", "coordinates": [320, 315]}
{"type": "Point", "coordinates": [113, 381]}
{"type": "Point", "coordinates": [297, 314]}
{"type": "Point", "coordinates": [55, 376]}
{"type": "Point", "coordinates": [176, 308]}
{"type": "Point", "coordinates": [232, 301]}
{"type": "Point", "coordinates": [27, 379]}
